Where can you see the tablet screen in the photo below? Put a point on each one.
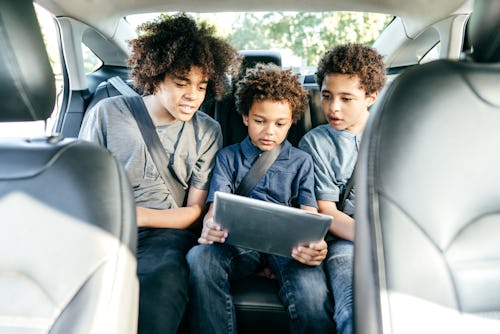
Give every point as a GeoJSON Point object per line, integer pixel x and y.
{"type": "Point", "coordinates": [267, 227]}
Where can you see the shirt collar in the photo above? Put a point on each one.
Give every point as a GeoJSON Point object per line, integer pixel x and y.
{"type": "Point", "coordinates": [345, 134]}
{"type": "Point", "coordinates": [250, 151]}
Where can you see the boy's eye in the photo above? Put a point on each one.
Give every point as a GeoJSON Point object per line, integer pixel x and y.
{"type": "Point", "coordinates": [258, 121]}
{"type": "Point", "coordinates": [325, 96]}
{"type": "Point", "coordinates": [202, 88]}
{"type": "Point", "coordinates": [346, 99]}
{"type": "Point", "coordinates": [280, 124]}
{"type": "Point", "coordinates": [181, 84]}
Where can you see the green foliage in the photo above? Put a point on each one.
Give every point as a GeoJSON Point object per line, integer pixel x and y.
{"type": "Point", "coordinates": [308, 35]}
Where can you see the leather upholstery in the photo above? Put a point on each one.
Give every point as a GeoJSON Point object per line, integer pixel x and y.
{"type": "Point", "coordinates": [484, 31]}
{"type": "Point", "coordinates": [67, 247]}
{"type": "Point", "coordinates": [24, 64]}
{"type": "Point", "coordinates": [427, 256]}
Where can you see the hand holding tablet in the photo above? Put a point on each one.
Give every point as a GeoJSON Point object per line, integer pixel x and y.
{"type": "Point", "coordinates": [267, 227]}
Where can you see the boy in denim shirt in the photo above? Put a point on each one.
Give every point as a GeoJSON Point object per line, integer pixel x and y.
{"type": "Point", "coordinates": [270, 100]}
{"type": "Point", "coordinates": [350, 77]}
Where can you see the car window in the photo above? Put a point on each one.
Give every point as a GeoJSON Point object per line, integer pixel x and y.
{"type": "Point", "coordinates": [433, 54]}
{"type": "Point", "coordinates": [40, 128]}
{"type": "Point", "coordinates": [301, 37]}
{"type": "Point", "coordinates": [91, 62]}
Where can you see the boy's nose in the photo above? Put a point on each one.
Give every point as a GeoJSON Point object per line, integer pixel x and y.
{"type": "Point", "coordinates": [192, 94]}
{"type": "Point", "coordinates": [269, 129]}
{"type": "Point", "coordinates": [334, 106]}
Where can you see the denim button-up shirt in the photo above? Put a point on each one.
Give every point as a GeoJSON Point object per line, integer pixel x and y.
{"type": "Point", "coordinates": [289, 180]}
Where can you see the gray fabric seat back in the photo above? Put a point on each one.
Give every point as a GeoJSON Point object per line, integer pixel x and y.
{"type": "Point", "coordinates": [427, 250]}
{"type": "Point", "coordinates": [67, 214]}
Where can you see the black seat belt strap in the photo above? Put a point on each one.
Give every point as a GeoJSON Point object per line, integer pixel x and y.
{"type": "Point", "coordinates": [155, 148]}
{"type": "Point", "coordinates": [121, 86]}
{"type": "Point", "coordinates": [347, 191]}
{"type": "Point", "coordinates": [257, 171]}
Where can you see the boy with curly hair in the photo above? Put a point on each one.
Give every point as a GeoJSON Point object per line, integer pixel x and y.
{"type": "Point", "coordinates": [270, 100]}
{"type": "Point", "coordinates": [176, 63]}
{"type": "Point", "coordinates": [350, 77]}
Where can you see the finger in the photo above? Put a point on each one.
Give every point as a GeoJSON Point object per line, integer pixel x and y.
{"type": "Point", "coordinates": [299, 257]}
{"type": "Point", "coordinates": [211, 225]}
{"type": "Point", "coordinates": [203, 241]}
{"type": "Point", "coordinates": [308, 256]}
{"type": "Point", "coordinates": [216, 236]}
{"type": "Point", "coordinates": [318, 245]}
{"type": "Point", "coordinates": [306, 261]}
{"type": "Point", "coordinates": [316, 250]}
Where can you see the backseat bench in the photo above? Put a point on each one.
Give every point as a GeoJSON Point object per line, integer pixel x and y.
{"type": "Point", "coordinates": [258, 308]}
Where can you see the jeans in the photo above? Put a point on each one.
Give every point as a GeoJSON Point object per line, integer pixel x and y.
{"type": "Point", "coordinates": [339, 268]}
{"type": "Point", "coordinates": [163, 278]}
{"type": "Point", "coordinates": [303, 289]}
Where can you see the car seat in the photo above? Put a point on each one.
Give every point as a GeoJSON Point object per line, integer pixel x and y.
{"type": "Point", "coordinates": [67, 214]}
{"type": "Point", "coordinates": [427, 251]}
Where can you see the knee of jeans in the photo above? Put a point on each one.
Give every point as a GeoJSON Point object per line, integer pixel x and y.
{"type": "Point", "coordinates": [313, 301]}
{"type": "Point", "coordinates": [201, 260]}
{"type": "Point", "coordinates": [341, 247]}
{"type": "Point", "coordinates": [168, 276]}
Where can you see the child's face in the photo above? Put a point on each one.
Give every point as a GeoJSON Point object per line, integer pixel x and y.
{"type": "Point", "coordinates": [345, 103]}
{"type": "Point", "coordinates": [268, 123]}
{"type": "Point", "coordinates": [182, 96]}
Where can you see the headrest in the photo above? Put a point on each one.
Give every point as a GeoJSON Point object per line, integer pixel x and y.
{"type": "Point", "coordinates": [252, 57]}
{"type": "Point", "coordinates": [484, 31]}
{"type": "Point", "coordinates": [26, 79]}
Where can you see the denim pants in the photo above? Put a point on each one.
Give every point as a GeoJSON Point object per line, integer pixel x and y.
{"type": "Point", "coordinates": [303, 289]}
{"type": "Point", "coordinates": [163, 278]}
{"type": "Point", "coordinates": [339, 268]}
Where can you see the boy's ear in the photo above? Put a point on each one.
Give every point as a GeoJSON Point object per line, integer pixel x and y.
{"type": "Point", "coordinates": [371, 98]}
{"type": "Point", "coordinates": [245, 119]}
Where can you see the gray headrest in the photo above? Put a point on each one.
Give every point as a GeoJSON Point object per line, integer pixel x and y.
{"type": "Point", "coordinates": [484, 31]}
{"type": "Point", "coordinates": [26, 79]}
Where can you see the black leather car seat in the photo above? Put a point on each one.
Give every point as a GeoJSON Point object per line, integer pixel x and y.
{"type": "Point", "coordinates": [67, 214]}
{"type": "Point", "coordinates": [427, 250]}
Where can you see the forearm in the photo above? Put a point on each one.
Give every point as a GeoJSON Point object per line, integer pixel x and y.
{"type": "Point", "coordinates": [342, 225]}
{"type": "Point", "coordinates": [180, 218]}
{"type": "Point", "coordinates": [175, 218]}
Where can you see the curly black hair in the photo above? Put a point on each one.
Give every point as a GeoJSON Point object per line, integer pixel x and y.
{"type": "Point", "coordinates": [172, 45]}
{"type": "Point", "coordinates": [357, 59]}
{"type": "Point", "coordinates": [270, 82]}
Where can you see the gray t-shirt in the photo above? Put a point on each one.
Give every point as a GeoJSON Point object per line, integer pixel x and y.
{"type": "Point", "coordinates": [334, 155]}
{"type": "Point", "coordinates": [191, 146]}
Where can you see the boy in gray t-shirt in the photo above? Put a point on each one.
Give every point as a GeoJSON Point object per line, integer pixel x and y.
{"type": "Point", "coordinates": [173, 63]}
{"type": "Point", "coordinates": [350, 77]}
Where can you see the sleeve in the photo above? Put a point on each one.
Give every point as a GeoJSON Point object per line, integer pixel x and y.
{"type": "Point", "coordinates": [306, 184]}
{"type": "Point", "coordinates": [325, 185]}
{"type": "Point", "coordinates": [93, 127]}
{"type": "Point", "coordinates": [222, 175]}
{"type": "Point", "coordinates": [211, 144]}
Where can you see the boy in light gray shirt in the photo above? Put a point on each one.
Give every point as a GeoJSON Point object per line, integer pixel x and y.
{"type": "Point", "coordinates": [173, 62]}
{"type": "Point", "coordinates": [350, 77]}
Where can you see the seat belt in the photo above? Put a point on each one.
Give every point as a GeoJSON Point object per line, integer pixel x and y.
{"type": "Point", "coordinates": [347, 191]}
{"type": "Point", "coordinates": [257, 171]}
{"type": "Point", "coordinates": [150, 136]}
{"type": "Point", "coordinates": [155, 148]}
{"type": "Point", "coordinates": [121, 86]}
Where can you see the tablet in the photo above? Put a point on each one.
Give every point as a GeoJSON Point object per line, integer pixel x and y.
{"type": "Point", "coordinates": [267, 227]}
